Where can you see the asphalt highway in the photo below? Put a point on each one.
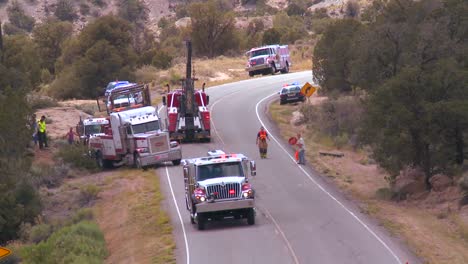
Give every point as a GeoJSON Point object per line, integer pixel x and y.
{"type": "Point", "coordinates": [300, 218]}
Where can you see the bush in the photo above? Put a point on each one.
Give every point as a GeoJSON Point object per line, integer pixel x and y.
{"type": "Point", "coordinates": [80, 243]}
{"type": "Point", "coordinates": [85, 214]}
{"type": "Point", "coordinates": [18, 17]}
{"type": "Point", "coordinates": [384, 194]}
{"type": "Point", "coordinates": [65, 10]}
{"type": "Point", "coordinates": [37, 101]}
{"type": "Point", "coordinates": [77, 156]}
{"type": "Point", "coordinates": [88, 193]}
{"type": "Point", "coordinates": [337, 118]}
{"type": "Point", "coordinates": [44, 174]}
{"type": "Point", "coordinates": [40, 232]}
{"type": "Point", "coordinates": [10, 29]}
{"type": "Point", "coordinates": [84, 9]}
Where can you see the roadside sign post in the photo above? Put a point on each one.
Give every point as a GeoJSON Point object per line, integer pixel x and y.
{"type": "Point", "coordinates": [308, 90]}
{"type": "Point", "coordinates": [4, 252]}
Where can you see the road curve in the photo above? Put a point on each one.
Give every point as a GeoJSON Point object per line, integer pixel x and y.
{"type": "Point", "coordinates": [300, 217]}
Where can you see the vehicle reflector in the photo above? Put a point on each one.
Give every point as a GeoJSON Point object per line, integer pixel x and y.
{"type": "Point", "coordinates": [232, 192]}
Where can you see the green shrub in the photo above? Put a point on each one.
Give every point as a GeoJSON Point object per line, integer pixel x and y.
{"type": "Point", "coordinates": [384, 194]}
{"type": "Point", "coordinates": [84, 9]}
{"type": "Point", "coordinates": [40, 232]}
{"type": "Point", "coordinates": [76, 155]}
{"type": "Point", "coordinates": [82, 215]}
{"type": "Point", "coordinates": [10, 29]}
{"type": "Point", "coordinates": [90, 109]}
{"type": "Point", "coordinates": [88, 193]}
{"type": "Point", "coordinates": [65, 11]}
{"type": "Point", "coordinates": [18, 17]}
{"type": "Point", "coordinates": [37, 101]}
{"type": "Point", "coordinates": [79, 243]}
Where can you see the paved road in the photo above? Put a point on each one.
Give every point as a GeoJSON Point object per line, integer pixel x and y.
{"type": "Point", "coordinates": [300, 218]}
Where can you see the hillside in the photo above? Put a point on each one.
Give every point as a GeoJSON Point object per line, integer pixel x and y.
{"type": "Point", "coordinates": [87, 10]}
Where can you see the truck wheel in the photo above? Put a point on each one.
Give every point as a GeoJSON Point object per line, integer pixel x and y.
{"type": "Point", "coordinates": [251, 217]}
{"type": "Point", "coordinates": [99, 161]}
{"type": "Point", "coordinates": [286, 69]}
{"type": "Point", "coordinates": [200, 222]}
{"type": "Point", "coordinates": [176, 162]}
{"type": "Point", "coordinates": [251, 74]}
{"type": "Point", "coordinates": [137, 162]}
{"type": "Point", "coordinates": [102, 163]}
{"type": "Point", "coordinates": [273, 69]}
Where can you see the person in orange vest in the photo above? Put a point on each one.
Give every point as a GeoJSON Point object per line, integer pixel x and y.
{"type": "Point", "coordinates": [261, 142]}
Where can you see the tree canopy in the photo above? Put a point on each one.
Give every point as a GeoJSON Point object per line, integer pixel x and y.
{"type": "Point", "coordinates": [410, 58]}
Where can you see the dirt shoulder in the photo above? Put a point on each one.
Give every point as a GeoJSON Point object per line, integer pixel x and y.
{"type": "Point", "coordinates": [431, 223]}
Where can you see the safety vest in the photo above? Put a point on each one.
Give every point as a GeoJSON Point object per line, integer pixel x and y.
{"type": "Point", "coordinates": [41, 126]}
{"type": "Point", "coordinates": [263, 135]}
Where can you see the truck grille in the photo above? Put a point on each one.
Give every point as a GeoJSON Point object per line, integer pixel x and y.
{"type": "Point", "coordinates": [159, 143]}
{"type": "Point", "coordinates": [258, 61]}
{"type": "Point", "coordinates": [224, 191]}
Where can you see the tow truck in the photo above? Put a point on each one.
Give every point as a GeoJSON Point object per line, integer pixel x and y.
{"type": "Point", "coordinates": [187, 109]}
{"type": "Point", "coordinates": [135, 134]}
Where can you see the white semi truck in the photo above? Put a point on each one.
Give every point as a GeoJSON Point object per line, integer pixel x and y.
{"type": "Point", "coordinates": [135, 135]}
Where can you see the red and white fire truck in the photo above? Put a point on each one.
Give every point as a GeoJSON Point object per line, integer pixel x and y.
{"type": "Point", "coordinates": [135, 135]}
{"type": "Point", "coordinates": [268, 60]}
{"type": "Point", "coordinates": [187, 109]}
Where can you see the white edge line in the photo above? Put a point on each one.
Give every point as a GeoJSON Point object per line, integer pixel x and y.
{"type": "Point", "coordinates": [180, 217]}
{"type": "Point", "coordinates": [187, 252]}
{"type": "Point", "coordinates": [322, 188]}
{"type": "Point", "coordinates": [296, 260]}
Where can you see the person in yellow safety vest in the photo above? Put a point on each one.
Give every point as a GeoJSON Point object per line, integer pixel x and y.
{"type": "Point", "coordinates": [261, 142]}
{"type": "Point", "coordinates": [41, 133]}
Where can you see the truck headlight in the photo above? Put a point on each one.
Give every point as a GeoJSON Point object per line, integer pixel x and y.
{"type": "Point", "coordinates": [246, 195]}
{"type": "Point", "coordinates": [202, 198]}
{"type": "Point", "coordinates": [142, 150]}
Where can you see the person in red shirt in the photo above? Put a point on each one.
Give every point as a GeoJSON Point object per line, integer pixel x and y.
{"type": "Point", "coordinates": [261, 142]}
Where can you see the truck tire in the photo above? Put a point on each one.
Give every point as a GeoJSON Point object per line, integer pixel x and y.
{"type": "Point", "coordinates": [251, 217]}
{"type": "Point", "coordinates": [251, 74]}
{"type": "Point", "coordinates": [137, 162]}
{"type": "Point", "coordinates": [200, 222]}
{"type": "Point", "coordinates": [273, 69]}
{"type": "Point", "coordinates": [102, 163]}
{"type": "Point", "coordinates": [286, 68]}
{"type": "Point", "coordinates": [176, 162]}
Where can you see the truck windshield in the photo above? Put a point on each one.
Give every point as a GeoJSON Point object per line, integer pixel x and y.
{"type": "Point", "coordinates": [146, 127]}
{"type": "Point", "coordinates": [217, 170]}
{"type": "Point", "coordinates": [260, 52]}
{"type": "Point", "coordinates": [93, 129]}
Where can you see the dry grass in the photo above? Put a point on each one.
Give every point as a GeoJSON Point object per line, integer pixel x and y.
{"type": "Point", "coordinates": [129, 213]}
{"type": "Point", "coordinates": [438, 240]}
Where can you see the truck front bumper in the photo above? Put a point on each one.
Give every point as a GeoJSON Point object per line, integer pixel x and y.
{"type": "Point", "coordinates": [148, 159]}
{"type": "Point", "coordinates": [258, 67]}
{"type": "Point", "coordinates": [204, 134]}
{"type": "Point", "coordinates": [225, 205]}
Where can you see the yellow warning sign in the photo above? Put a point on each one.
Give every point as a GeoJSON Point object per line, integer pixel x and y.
{"type": "Point", "coordinates": [4, 252]}
{"type": "Point", "coordinates": [308, 90]}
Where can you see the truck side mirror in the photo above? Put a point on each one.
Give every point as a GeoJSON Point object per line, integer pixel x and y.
{"type": "Point", "coordinates": [207, 100]}
{"type": "Point", "coordinates": [253, 168]}
{"type": "Point", "coordinates": [164, 100]}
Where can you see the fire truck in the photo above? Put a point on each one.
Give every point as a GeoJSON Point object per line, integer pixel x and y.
{"type": "Point", "coordinates": [134, 135]}
{"type": "Point", "coordinates": [91, 127]}
{"type": "Point", "coordinates": [187, 109]}
{"type": "Point", "coordinates": [268, 60]}
{"type": "Point", "coordinates": [217, 186]}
